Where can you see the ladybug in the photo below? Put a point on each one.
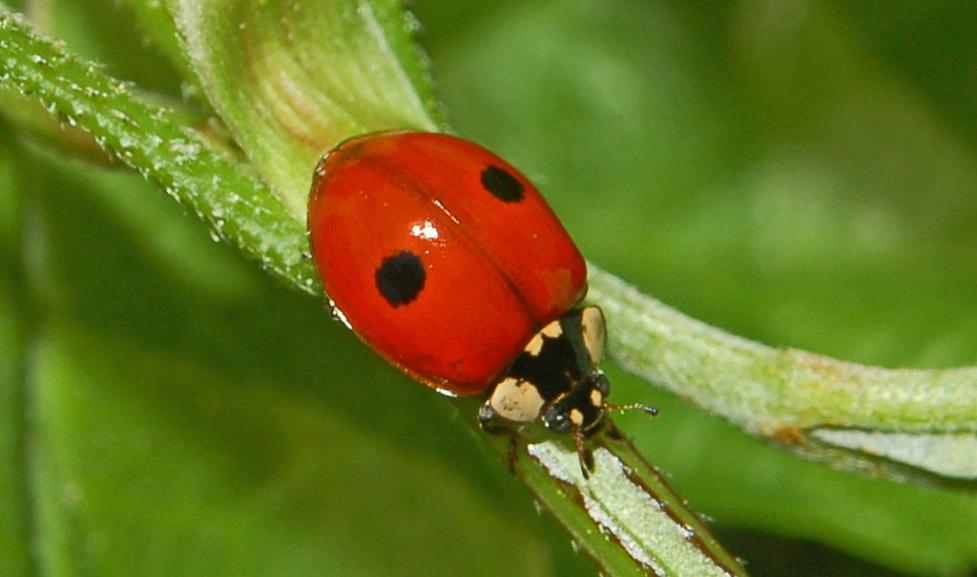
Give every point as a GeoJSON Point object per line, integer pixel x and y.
{"type": "Point", "coordinates": [448, 262]}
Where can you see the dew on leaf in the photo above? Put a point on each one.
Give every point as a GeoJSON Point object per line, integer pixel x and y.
{"type": "Point", "coordinates": [411, 23]}
{"type": "Point", "coordinates": [185, 150]}
{"type": "Point", "coordinates": [127, 141]}
{"type": "Point", "coordinates": [121, 116]}
{"type": "Point", "coordinates": [188, 91]}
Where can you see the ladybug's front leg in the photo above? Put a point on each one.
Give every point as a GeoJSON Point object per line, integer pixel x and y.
{"type": "Point", "coordinates": [490, 422]}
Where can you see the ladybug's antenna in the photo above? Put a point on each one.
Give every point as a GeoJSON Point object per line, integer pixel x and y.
{"type": "Point", "coordinates": [632, 407]}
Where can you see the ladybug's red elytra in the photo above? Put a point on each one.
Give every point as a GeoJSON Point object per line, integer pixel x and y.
{"type": "Point", "coordinates": [448, 262]}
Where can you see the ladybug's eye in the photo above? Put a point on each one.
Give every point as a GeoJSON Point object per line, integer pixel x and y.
{"type": "Point", "coordinates": [400, 278]}
{"type": "Point", "coordinates": [556, 419]}
{"type": "Point", "coordinates": [501, 184]}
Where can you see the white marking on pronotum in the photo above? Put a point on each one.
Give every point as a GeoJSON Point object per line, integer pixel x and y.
{"type": "Point", "coordinates": [594, 333]}
{"type": "Point", "coordinates": [552, 330]}
{"type": "Point", "coordinates": [535, 345]}
{"type": "Point", "coordinates": [516, 400]}
{"type": "Point", "coordinates": [642, 527]}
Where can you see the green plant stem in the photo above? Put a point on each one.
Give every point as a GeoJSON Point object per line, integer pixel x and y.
{"type": "Point", "coordinates": [786, 393]}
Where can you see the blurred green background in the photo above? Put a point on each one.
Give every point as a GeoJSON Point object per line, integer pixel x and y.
{"type": "Point", "coordinates": [800, 173]}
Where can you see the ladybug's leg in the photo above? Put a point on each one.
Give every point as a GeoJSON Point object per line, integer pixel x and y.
{"type": "Point", "coordinates": [513, 453]}
{"type": "Point", "coordinates": [490, 422]}
{"type": "Point", "coordinates": [583, 453]}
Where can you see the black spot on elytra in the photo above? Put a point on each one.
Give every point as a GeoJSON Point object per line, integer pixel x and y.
{"type": "Point", "coordinates": [400, 278]}
{"type": "Point", "coordinates": [501, 184]}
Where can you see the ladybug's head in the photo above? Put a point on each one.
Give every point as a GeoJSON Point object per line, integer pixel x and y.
{"type": "Point", "coordinates": [556, 380]}
{"type": "Point", "coordinates": [582, 408]}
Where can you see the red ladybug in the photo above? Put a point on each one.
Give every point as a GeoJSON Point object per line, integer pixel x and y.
{"type": "Point", "coordinates": [448, 262]}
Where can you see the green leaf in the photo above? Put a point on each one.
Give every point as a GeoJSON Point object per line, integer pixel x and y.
{"type": "Point", "coordinates": [14, 491]}
{"type": "Point", "coordinates": [221, 191]}
{"type": "Point", "coordinates": [14, 494]}
{"type": "Point", "coordinates": [85, 25]}
{"type": "Point", "coordinates": [90, 28]}
{"type": "Point", "coordinates": [291, 78]}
